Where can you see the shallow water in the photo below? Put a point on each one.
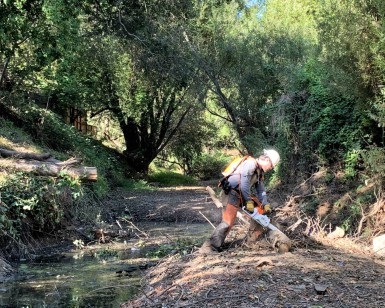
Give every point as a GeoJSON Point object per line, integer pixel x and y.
{"type": "Point", "coordinates": [70, 282]}
{"type": "Point", "coordinates": [102, 277]}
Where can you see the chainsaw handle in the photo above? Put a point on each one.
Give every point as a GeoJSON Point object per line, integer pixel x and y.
{"type": "Point", "coordinates": [257, 204]}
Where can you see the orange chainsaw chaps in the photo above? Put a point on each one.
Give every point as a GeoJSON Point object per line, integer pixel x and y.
{"type": "Point", "coordinates": [230, 214]}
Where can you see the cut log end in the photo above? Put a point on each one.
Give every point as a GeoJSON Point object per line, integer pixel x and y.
{"type": "Point", "coordinates": [90, 174]}
{"type": "Point", "coordinates": [279, 240]}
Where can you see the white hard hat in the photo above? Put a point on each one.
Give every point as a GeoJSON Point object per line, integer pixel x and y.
{"type": "Point", "coordinates": [273, 155]}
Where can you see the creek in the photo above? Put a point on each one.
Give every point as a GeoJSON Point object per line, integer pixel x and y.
{"type": "Point", "coordinates": [100, 275]}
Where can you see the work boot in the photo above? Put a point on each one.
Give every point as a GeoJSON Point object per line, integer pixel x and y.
{"type": "Point", "coordinates": [207, 248]}
{"type": "Point", "coordinates": [218, 237]}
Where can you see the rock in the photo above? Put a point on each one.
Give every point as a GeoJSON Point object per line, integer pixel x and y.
{"type": "Point", "coordinates": [320, 289]}
{"type": "Point", "coordinates": [337, 233]}
{"type": "Point", "coordinates": [379, 245]}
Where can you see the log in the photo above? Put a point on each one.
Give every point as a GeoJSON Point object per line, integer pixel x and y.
{"type": "Point", "coordinates": [48, 168]}
{"type": "Point", "coordinates": [40, 157]}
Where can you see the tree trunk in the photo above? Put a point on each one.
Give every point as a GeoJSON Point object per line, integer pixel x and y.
{"type": "Point", "coordinates": [9, 153]}
{"type": "Point", "coordinates": [45, 164]}
{"type": "Point", "coordinates": [51, 169]}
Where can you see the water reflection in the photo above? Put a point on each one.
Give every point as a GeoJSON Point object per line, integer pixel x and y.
{"type": "Point", "coordinates": [99, 276]}
{"type": "Point", "coordinates": [71, 282]}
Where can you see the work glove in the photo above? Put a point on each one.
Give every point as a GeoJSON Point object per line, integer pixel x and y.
{"type": "Point", "coordinates": [267, 208]}
{"type": "Point", "coordinates": [250, 206]}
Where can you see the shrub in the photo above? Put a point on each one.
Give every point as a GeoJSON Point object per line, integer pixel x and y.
{"type": "Point", "coordinates": [34, 203]}
{"type": "Point", "coordinates": [209, 166]}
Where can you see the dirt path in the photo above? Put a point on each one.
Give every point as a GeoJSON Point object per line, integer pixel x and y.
{"type": "Point", "coordinates": [312, 274]}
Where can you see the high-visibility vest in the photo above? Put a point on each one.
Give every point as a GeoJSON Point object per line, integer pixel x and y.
{"type": "Point", "coordinates": [235, 163]}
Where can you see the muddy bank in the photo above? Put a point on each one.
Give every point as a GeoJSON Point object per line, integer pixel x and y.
{"type": "Point", "coordinates": [176, 204]}
{"type": "Point", "coordinates": [243, 277]}
{"type": "Point", "coordinates": [317, 272]}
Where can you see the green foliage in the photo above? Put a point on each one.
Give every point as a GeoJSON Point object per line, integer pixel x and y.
{"type": "Point", "coordinates": [34, 203]}
{"type": "Point", "coordinates": [352, 38]}
{"type": "Point", "coordinates": [181, 246]}
{"type": "Point", "coordinates": [374, 161]}
{"type": "Point", "coordinates": [351, 163]}
{"type": "Point", "coordinates": [49, 130]}
{"type": "Point", "coordinates": [334, 117]}
{"type": "Point", "coordinates": [10, 135]}
{"type": "Point", "coordinates": [275, 48]}
{"type": "Point", "coordinates": [349, 222]}
{"type": "Point", "coordinates": [348, 209]}
{"type": "Point", "coordinates": [131, 184]}
{"type": "Point", "coordinates": [209, 166]}
{"type": "Point", "coordinates": [310, 206]}
{"type": "Point", "coordinates": [305, 76]}
{"type": "Point", "coordinates": [329, 177]}
{"type": "Point", "coordinates": [189, 141]}
{"type": "Point", "coordinates": [320, 125]}
{"type": "Point", "coordinates": [167, 178]}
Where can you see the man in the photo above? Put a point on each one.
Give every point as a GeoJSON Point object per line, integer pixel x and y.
{"type": "Point", "coordinates": [247, 174]}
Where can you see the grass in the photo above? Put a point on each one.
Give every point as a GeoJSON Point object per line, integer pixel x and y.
{"type": "Point", "coordinates": [169, 178]}
{"type": "Point", "coordinates": [15, 139]}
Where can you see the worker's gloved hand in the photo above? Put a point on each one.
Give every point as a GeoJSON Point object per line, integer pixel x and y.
{"type": "Point", "coordinates": [250, 206]}
{"type": "Point", "coordinates": [267, 208]}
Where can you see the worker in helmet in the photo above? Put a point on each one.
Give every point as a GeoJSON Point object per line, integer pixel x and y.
{"type": "Point", "coordinates": [249, 173]}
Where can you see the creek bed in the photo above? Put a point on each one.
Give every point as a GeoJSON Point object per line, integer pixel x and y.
{"type": "Point", "coordinates": [100, 276]}
{"type": "Point", "coordinates": [84, 281]}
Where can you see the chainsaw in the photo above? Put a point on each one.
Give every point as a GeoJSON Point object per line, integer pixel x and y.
{"type": "Point", "coordinates": [278, 239]}
{"type": "Point", "coordinates": [259, 215]}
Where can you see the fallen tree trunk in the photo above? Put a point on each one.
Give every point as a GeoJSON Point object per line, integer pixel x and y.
{"type": "Point", "coordinates": [46, 165]}
{"type": "Point", "coordinates": [51, 168]}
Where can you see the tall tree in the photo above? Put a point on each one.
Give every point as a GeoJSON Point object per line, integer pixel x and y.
{"type": "Point", "coordinates": [246, 63]}
{"type": "Point", "coordinates": [136, 72]}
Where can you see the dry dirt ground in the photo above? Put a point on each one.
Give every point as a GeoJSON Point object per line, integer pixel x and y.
{"type": "Point", "coordinates": [317, 272]}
